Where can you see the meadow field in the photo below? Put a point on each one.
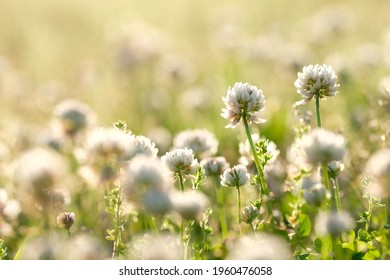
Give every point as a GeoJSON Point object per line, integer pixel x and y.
{"type": "Point", "coordinates": [197, 130]}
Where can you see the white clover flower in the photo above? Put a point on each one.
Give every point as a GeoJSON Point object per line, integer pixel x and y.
{"type": "Point", "coordinates": [334, 223]}
{"type": "Point", "coordinates": [157, 202]}
{"type": "Point", "coordinates": [378, 169]}
{"type": "Point", "coordinates": [9, 208]}
{"type": "Point", "coordinates": [322, 146]}
{"type": "Point", "coordinates": [316, 80]}
{"type": "Point", "coordinates": [181, 161]}
{"type": "Point", "coordinates": [142, 145]}
{"type": "Point", "coordinates": [214, 166]}
{"type": "Point", "coordinates": [143, 174]}
{"type": "Point", "coordinates": [243, 101]}
{"type": "Point", "coordinates": [235, 176]}
{"type": "Point", "coordinates": [38, 170]}
{"type": "Point", "coordinates": [314, 192]}
{"type": "Point", "coordinates": [201, 141]}
{"type": "Point", "coordinates": [297, 158]}
{"type": "Point", "coordinates": [73, 116]}
{"type": "Point", "coordinates": [264, 247]}
{"type": "Point", "coordinates": [190, 204]}
{"type": "Point", "coordinates": [149, 247]}
{"type": "Point", "coordinates": [109, 144]}
{"type": "Point", "coordinates": [249, 213]}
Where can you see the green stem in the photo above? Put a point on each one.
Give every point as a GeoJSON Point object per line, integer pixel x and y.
{"type": "Point", "coordinates": [221, 209]}
{"type": "Point", "coordinates": [259, 168]}
{"type": "Point", "coordinates": [182, 243]}
{"type": "Point", "coordinates": [263, 183]}
{"type": "Point", "coordinates": [326, 183]}
{"type": "Point", "coordinates": [69, 235]}
{"type": "Point", "coordinates": [239, 208]}
{"type": "Point", "coordinates": [318, 114]}
{"type": "Point", "coordinates": [337, 195]}
{"type": "Point", "coordinates": [118, 232]}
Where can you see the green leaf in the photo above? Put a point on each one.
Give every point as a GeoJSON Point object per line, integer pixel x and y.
{"type": "Point", "coordinates": [318, 243]}
{"type": "Point", "coordinates": [304, 225]}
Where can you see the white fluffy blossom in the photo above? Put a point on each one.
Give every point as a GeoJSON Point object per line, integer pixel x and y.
{"type": "Point", "coordinates": [214, 166]}
{"type": "Point", "coordinates": [243, 101]}
{"type": "Point", "coordinates": [181, 161]}
{"type": "Point", "coordinates": [316, 80]}
{"type": "Point", "coordinates": [235, 176]}
{"type": "Point", "coordinates": [334, 223]}
{"type": "Point", "coordinates": [143, 175]}
{"type": "Point", "coordinates": [201, 141]}
{"type": "Point", "coordinates": [378, 169]}
{"type": "Point", "coordinates": [264, 247]}
{"type": "Point", "coordinates": [73, 116]}
{"type": "Point", "coordinates": [108, 143]}
{"type": "Point", "coordinates": [142, 145]}
{"type": "Point", "coordinates": [322, 146]}
{"type": "Point", "coordinates": [190, 204]}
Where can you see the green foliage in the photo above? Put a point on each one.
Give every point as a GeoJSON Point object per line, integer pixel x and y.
{"type": "Point", "coordinates": [3, 250]}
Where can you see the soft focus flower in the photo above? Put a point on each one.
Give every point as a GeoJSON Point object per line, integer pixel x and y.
{"type": "Point", "coordinates": [333, 223]}
{"type": "Point", "coordinates": [190, 204]}
{"type": "Point", "coordinates": [378, 169]}
{"type": "Point", "coordinates": [108, 144]}
{"type": "Point", "coordinates": [214, 166]}
{"type": "Point", "coordinates": [39, 170]}
{"type": "Point", "coordinates": [9, 208]}
{"type": "Point", "coordinates": [142, 145]}
{"type": "Point", "coordinates": [264, 247]}
{"type": "Point", "coordinates": [314, 192]}
{"type": "Point", "coordinates": [143, 175]}
{"type": "Point", "coordinates": [316, 80]}
{"type": "Point", "coordinates": [322, 146]}
{"type": "Point", "coordinates": [73, 116]}
{"type": "Point", "coordinates": [235, 176]}
{"type": "Point", "coordinates": [157, 201]}
{"type": "Point", "coordinates": [249, 213]}
{"type": "Point", "coordinates": [243, 101]}
{"type": "Point", "coordinates": [201, 141]}
{"type": "Point", "coordinates": [180, 161]}
{"type": "Point", "coordinates": [65, 220]}
{"type": "Point", "coordinates": [149, 247]}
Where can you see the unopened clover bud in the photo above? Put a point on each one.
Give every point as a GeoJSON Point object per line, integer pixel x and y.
{"type": "Point", "coordinates": [65, 220]}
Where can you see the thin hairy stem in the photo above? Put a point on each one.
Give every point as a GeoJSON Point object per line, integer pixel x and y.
{"type": "Point", "coordinates": [221, 209]}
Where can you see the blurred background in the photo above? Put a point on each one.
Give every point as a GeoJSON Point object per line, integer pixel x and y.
{"type": "Point", "coordinates": [163, 66]}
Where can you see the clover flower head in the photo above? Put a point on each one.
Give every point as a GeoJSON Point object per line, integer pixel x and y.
{"type": "Point", "coordinates": [314, 192]}
{"type": "Point", "coordinates": [316, 80]}
{"type": "Point", "coordinates": [181, 161]}
{"type": "Point", "coordinates": [322, 146]}
{"type": "Point", "coordinates": [235, 176]}
{"type": "Point", "coordinates": [201, 141]}
{"type": "Point", "coordinates": [264, 247]}
{"type": "Point", "coordinates": [65, 220]}
{"type": "Point", "coordinates": [143, 145]}
{"type": "Point", "coordinates": [334, 223]}
{"type": "Point", "coordinates": [141, 175]}
{"type": "Point", "coordinates": [249, 213]}
{"type": "Point", "coordinates": [378, 170]}
{"type": "Point", "coordinates": [243, 101]}
{"type": "Point", "coordinates": [108, 143]}
{"type": "Point", "coordinates": [190, 204]}
{"type": "Point", "coordinates": [214, 166]}
{"type": "Point", "coordinates": [73, 116]}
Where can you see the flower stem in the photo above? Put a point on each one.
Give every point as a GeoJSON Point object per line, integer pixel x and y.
{"type": "Point", "coordinates": [318, 114]}
{"type": "Point", "coordinates": [221, 209]}
{"type": "Point", "coordinates": [239, 208]}
{"type": "Point", "coordinates": [337, 194]}
{"type": "Point", "coordinates": [263, 183]}
{"type": "Point", "coordinates": [182, 243]}
{"type": "Point", "coordinates": [326, 183]}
